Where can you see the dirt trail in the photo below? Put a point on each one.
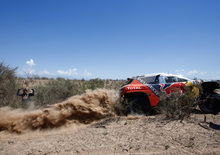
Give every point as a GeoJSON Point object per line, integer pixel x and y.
{"type": "Point", "coordinates": [118, 135]}
{"type": "Point", "coordinates": [86, 108]}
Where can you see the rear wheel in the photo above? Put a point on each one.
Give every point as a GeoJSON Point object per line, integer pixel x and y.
{"type": "Point", "coordinates": [211, 104]}
{"type": "Point", "coordinates": [137, 103]}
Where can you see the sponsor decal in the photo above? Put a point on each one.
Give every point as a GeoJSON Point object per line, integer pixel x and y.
{"type": "Point", "coordinates": [133, 88]}
{"type": "Point", "coordinates": [154, 90]}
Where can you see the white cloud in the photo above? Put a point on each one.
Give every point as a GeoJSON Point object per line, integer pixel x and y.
{"type": "Point", "coordinates": [195, 72]}
{"type": "Point", "coordinates": [191, 73]}
{"type": "Point", "coordinates": [44, 72]}
{"type": "Point", "coordinates": [86, 73]}
{"type": "Point", "coordinates": [179, 71]}
{"type": "Point", "coordinates": [30, 63]}
{"type": "Point", "coordinates": [69, 72]}
{"type": "Point", "coordinates": [30, 71]}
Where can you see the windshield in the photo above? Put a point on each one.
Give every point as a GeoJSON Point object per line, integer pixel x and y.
{"type": "Point", "coordinates": [149, 79]}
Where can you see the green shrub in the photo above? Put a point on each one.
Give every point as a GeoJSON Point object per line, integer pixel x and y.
{"type": "Point", "coordinates": [8, 86]}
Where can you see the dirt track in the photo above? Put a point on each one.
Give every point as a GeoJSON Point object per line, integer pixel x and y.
{"type": "Point", "coordinates": [64, 129]}
{"type": "Point", "coordinates": [118, 135]}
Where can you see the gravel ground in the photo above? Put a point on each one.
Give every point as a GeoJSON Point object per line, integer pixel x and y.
{"type": "Point", "coordinates": [118, 135]}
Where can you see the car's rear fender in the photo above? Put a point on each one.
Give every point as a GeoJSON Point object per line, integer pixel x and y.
{"type": "Point", "coordinates": [136, 87]}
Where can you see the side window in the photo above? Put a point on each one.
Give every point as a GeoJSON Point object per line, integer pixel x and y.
{"type": "Point", "coordinates": [162, 79]}
{"type": "Point", "coordinates": [157, 81]}
{"type": "Point", "coordinates": [149, 80]}
{"type": "Point", "coordinates": [182, 80]}
{"type": "Point", "coordinates": [170, 79]}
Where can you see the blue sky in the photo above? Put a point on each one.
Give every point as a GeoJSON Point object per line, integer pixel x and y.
{"type": "Point", "coordinates": [111, 38]}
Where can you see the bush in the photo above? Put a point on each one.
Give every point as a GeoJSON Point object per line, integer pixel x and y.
{"type": "Point", "coordinates": [8, 86]}
{"type": "Point", "coordinates": [53, 91]}
{"type": "Point", "coordinates": [177, 105]}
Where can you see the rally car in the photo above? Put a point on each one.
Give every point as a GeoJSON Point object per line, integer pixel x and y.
{"type": "Point", "coordinates": [143, 92]}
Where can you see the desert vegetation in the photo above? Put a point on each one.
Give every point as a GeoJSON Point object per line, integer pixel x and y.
{"type": "Point", "coordinates": [57, 90]}
{"type": "Point", "coordinates": [8, 86]}
{"type": "Point", "coordinates": [47, 90]}
{"type": "Point", "coordinates": [177, 106]}
{"type": "Point", "coordinates": [50, 91]}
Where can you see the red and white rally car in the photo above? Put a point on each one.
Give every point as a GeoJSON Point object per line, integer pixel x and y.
{"type": "Point", "coordinates": [144, 91]}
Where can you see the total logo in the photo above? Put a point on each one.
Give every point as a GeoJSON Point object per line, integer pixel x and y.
{"type": "Point", "coordinates": [133, 88]}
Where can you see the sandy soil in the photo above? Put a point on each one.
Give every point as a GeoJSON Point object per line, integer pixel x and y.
{"type": "Point", "coordinates": [84, 124]}
{"type": "Point", "coordinates": [118, 135]}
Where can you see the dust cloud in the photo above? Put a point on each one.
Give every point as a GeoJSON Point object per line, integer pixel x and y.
{"type": "Point", "coordinates": [85, 108]}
